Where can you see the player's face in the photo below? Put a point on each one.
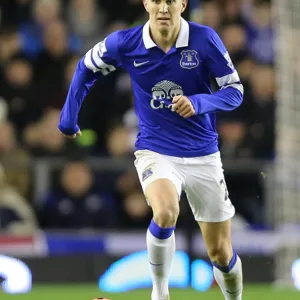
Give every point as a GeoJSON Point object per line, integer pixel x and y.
{"type": "Point", "coordinates": [165, 13]}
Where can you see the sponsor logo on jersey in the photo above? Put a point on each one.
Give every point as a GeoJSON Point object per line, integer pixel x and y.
{"type": "Point", "coordinates": [163, 94]}
{"type": "Point", "coordinates": [140, 64]}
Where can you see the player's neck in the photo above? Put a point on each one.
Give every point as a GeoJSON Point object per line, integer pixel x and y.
{"type": "Point", "coordinates": [166, 39]}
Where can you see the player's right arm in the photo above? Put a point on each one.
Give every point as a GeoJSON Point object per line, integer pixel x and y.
{"type": "Point", "coordinates": [100, 61]}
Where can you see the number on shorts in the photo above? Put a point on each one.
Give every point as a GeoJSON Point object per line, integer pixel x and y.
{"type": "Point", "coordinates": [223, 183]}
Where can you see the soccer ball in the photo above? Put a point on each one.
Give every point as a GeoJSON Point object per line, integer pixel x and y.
{"type": "Point", "coordinates": [101, 298]}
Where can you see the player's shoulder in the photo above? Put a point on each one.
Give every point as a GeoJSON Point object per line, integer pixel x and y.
{"type": "Point", "coordinates": [201, 31]}
{"type": "Point", "coordinates": [130, 38]}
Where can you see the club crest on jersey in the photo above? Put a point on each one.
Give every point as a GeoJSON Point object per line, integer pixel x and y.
{"type": "Point", "coordinates": [147, 173]}
{"type": "Point", "coordinates": [189, 59]}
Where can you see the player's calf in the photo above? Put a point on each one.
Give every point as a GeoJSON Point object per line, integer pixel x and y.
{"type": "Point", "coordinates": [227, 264]}
{"type": "Point", "coordinates": [230, 278]}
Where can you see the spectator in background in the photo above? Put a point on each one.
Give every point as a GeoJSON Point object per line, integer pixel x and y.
{"type": "Point", "coordinates": [209, 15]}
{"type": "Point", "coordinates": [233, 139]}
{"type": "Point", "coordinates": [262, 111]}
{"type": "Point", "coordinates": [235, 39]}
{"type": "Point", "coordinates": [261, 32]}
{"type": "Point", "coordinates": [7, 13]}
{"type": "Point", "coordinates": [232, 12]}
{"type": "Point", "coordinates": [77, 203]}
{"type": "Point", "coordinates": [116, 25]}
{"type": "Point", "coordinates": [58, 97]}
{"type": "Point", "coordinates": [119, 143]}
{"type": "Point", "coordinates": [87, 22]}
{"type": "Point", "coordinates": [136, 211]}
{"type": "Point", "coordinates": [3, 109]}
{"type": "Point", "coordinates": [26, 36]}
{"type": "Point", "coordinates": [128, 11]}
{"type": "Point", "coordinates": [40, 141]}
{"type": "Point", "coordinates": [122, 137]}
{"type": "Point", "coordinates": [16, 216]}
{"type": "Point", "coordinates": [19, 92]}
{"type": "Point", "coordinates": [130, 122]}
{"type": "Point", "coordinates": [14, 160]}
{"type": "Point", "coordinates": [244, 67]}
{"type": "Point", "coordinates": [10, 44]}
{"type": "Point", "coordinates": [31, 33]}
{"type": "Point", "coordinates": [52, 59]}
{"type": "Point", "coordinates": [128, 183]}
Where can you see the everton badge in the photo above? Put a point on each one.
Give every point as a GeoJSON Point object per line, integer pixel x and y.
{"type": "Point", "coordinates": [189, 59]}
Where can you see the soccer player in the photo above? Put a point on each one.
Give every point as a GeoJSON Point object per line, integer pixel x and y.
{"type": "Point", "coordinates": [170, 62]}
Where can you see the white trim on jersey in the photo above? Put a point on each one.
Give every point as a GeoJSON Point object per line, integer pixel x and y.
{"type": "Point", "coordinates": [88, 62]}
{"type": "Point", "coordinates": [228, 79]}
{"type": "Point", "coordinates": [99, 64]}
{"type": "Point", "coordinates": [237, 86]}
{"type": "Point", "coordinates": [184, 34]}
{"type": "Point", "coordinates": [182, 40]}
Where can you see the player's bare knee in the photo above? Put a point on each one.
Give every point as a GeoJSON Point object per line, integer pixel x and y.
{"type": "Point", "coordinates": [220, 253]}
{"type": "Point", "coordinates": [166, 216]}
{"type": "Point", "coordinates": [163, 199]}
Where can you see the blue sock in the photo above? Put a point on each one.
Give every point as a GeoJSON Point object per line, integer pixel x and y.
{"type": "Point", "coordinates": [159, 232]}
{"type": "Point", "coordinates": [231, 264]}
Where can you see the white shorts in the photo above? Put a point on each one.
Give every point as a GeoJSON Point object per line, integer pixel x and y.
{"type": "Point", "coordinates": [202, 178]}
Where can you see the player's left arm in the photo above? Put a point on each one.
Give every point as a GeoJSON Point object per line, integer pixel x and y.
{"type": "Point", "coordinates": [230, 95]}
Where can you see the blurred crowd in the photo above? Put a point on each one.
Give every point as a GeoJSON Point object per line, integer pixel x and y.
{"type": "Point", "coordinates": [41, 42]}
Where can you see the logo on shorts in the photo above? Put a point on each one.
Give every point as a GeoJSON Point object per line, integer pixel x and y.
{"type": "Point", "coordinates": [147, 173]}
{"type": "Point", "coordinates": [189, 59]}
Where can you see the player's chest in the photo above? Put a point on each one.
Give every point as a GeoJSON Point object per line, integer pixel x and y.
{"type": "Point", "coordinates": [178, 66]}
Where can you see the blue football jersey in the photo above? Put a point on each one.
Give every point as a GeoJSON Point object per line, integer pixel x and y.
{"type": "Point", "coordinates": [156, 78]}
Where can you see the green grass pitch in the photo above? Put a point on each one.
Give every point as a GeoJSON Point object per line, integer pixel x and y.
{"type": "Point", "coordinates": [88, 292]}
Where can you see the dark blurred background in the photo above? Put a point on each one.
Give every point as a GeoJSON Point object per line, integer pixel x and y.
{"type": "Point", "coordinates": [49, 182]}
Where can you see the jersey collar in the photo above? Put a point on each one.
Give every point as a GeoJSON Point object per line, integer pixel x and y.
{"type": "Point", "coordinates": [182, 40]}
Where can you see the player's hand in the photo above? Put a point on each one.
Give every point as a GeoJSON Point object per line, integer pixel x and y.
{"type": "Point", "coordinates": [72, 136]}
{"type": "Point", "coordinates": [183, 106]}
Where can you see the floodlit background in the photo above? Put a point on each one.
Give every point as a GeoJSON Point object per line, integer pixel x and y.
{"type": "Point", "coordinates": [73, 211]}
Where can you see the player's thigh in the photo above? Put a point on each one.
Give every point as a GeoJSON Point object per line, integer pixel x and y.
{"type": "Point", "coordinates": [163, 198]}
{"type": "Point", "coordinates": [217, 239]}
{"type": "Point", "coordinates": [207, 191]}
{"type": "Point", "coordinates": [161, 185]}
